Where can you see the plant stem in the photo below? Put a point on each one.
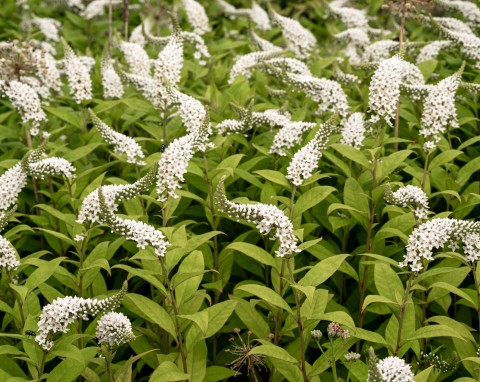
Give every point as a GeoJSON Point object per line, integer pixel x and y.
{"type": "Point", "coordinates": [477, 287]}
{"type": "Point", "coordinates": [425, 170]}
{"type": "Point", "coordinates": [44, 358]}
{"type": "Point", "coordinates": [401, 314]}
{"type": "Point", "coordinates": [278, 316]}
{"type": "Point", "coordinates": [108, 364]}
{"type": "Point", "coordinates": [125, 19]}
{"type": "Point", "coordinates": [400, 40]}
{"type": "Point", "coordinates": [175, 312]}
{"type": "Point", "coordinates": [110, 28]}
{"type": "Point", "coordinates": [299, 324]}
{"type": "Point", "coordinates": [164, 121]}
{"type": "Point", "coordinates": [333, 361]}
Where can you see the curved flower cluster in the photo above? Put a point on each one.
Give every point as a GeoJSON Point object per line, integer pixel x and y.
{"type": "Point", "coordinates": [380, 50]}
{"type": "Point", "coordinates": [141, 233]}
{"type": "Point", "coordinates": [435, 234]}
{"type": "Point", "coordinates": [267, 217]}
{"type": "Point", "coordinates": [197, 17]}
{"type": "Point", "coordinates": [47, 69]}
{"type": "Point", "coordinates": [289, 135]}
{"type": "Point", "coordinates": [26, 101]}
{"type": "Point", "coordinates": [48, 26]}
{"type": "Point", "coordinates": [353, 130]}
{"type": "Point", "coordinates": [152, 90]}
{"type": "Point", "coordinates": [328, 93]}
{"type": "Point", "coordinates": [169, 63]}
{"type": "Point", "coordinates": [353, 18]}
{"type": "Point", "coordinates": [112, 85]}
{"type": "Point", "coordinates": [201, 50]}
{"type": "Point", "coordinates": [453, 24]}
{"type": "Point", "coordinates": [409, 196]}
{"type": "Point", "coordinates": [300, 41]}
{"type": "Point", "coordinates": [392, 369]}
{"type": "Point", "coordinates": [256, 14]}
{"type": "Point", "coordinates": [385, 86]}
{"type": "Point", "coordinates": [136, 57]}
{"type": "Point", "coordinates": [114, 329]}
{"type": "Point", "coordinates": [50, 167]}
{"type": "Point", "coordinates": [351, 356]}
{"type": "Point", "coordinates": [78, 75]}
{"type": "Point", "coordinates": [97, 8]}
{"type": "Point", "coordinates": [8, 258]}
{"type": "Point", "coordinates": [431, 51]}
{"type": "Point", "coordinates": [469, 10]}
{"type": "Point", "coordinates": [262, 44]}
{"type": "Point", "coordinates": [121, 143]}
{"type": "Point", "coordinates": [11, 184]}
{"type": "Point", "coordinates": [57, 316]}
{"type": "Point", "coordinates": [439, 111]}
{"type": "Point", "coordinates": [112, 194]}
{"type": "Point", "coordinates": [244, 64]}
{"type": "Point", "coordinates": [305, 161]}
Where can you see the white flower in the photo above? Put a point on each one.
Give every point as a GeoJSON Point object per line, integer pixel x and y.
{"type": "Point", "coordinates": [197, 17]}
{"type": "Point", "coordinates": [334, 330]}
{"type": "Point", "coordinates": [353, 130]}
{"type": "Point", "coordinates": [78, 77]}
{"type": "Point", "coordinates": [11, 184]}
{"type": "Point", "coordinates": [393, 369]}
{"type": "Point", "coordinates": [356, 36]}
{"type": "Point", "coordinates": [244, 64]}
{"type": "Point", "coordinates": [47, 69]}
{"type": "Point", "coordinates": [353, 18]}
{"type": "Point", "coordinates": [169, 63]}
{"type": "Point", "coordinates": [409, 196]}
{"type": "Point", "coordinates": [468, 9]}
{"type": "Point", "coordinates": [97, 8]}
{"type": "Point", "coordinates": [79, 238]}
{"type": "Point", "coordinates": [351, 356]}
{"type": "Point", "coordinates": [153, 90]}
{"type": "Point", "coordinates": [136, 57]}
{"type": "Point", "coordinates": [305, 161]}
{"type": "Point", "coordinates": [435, 234]}
{"type": "Point", "coordinates": [267, 218]}
{"type": "Point", "coordinates": [8, 258]}
{"type": "Point", "coordinates": [201, 50]}
{"type": "Point", "coordinates": [137, 36]}
{"type": "Point", "coordinates": [57, 316]}
{"type": "Point", "coordinates": [385, 86]}
{"type": "Point", "coordinates": [300, 41]}
{"type": "Point", "coordinates": [51, 166]}
{"type": "Point", "coordinates": [262, 44]}
{"type": "Point", "coordinates": [49, 27]}
{"type": "Point", "coordinates": [380, 50]}
{"type": "Point", "coordinates": [26, 101]}
{"type": "Point", "coordinates": [112, 85]}
{"type": "Point", "coordinates": [260, 17]}
{"type": "Point", "coordinates": [121, 143]}
{"type": "Point", "coordinates": [439, 111]}
{"type": "Point", "coordinates": [431, 51]}
{"type": "Point", "coordinates": [114, 329]}
{"type": "Point", "coordinates": [453, 24]}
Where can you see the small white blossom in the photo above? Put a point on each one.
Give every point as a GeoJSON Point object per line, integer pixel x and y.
{"type": "Point", "coordinates": [244, 64]}
{"type": "Point", "coordinates": [50, 167]}
{"type": "Point", "coordinates": [197, 17]}
{"type": "Point", "coordinates": [169, 63]}
{"type": "Point", "coordinates": [154, 91]}
{"type": "Point", "coordinates": [468, 9]}
{"type": "Point", "coordinates": [262, 44]}
{"type": "Point", "coordinates": [356, 36]}
{"type": "Point", "coordinates": [112, 85]}
{"type": "Point", "coordinates": [122, 144]}
{"type": "Point", "coordinates": [431, 51]}
{"type": "Point", "coordinates": [114, 329]}
{"type": "Point", "coordinates": [353, 130]}
{"type": "Point", "coordinates": [79, 238]}
{"type": "Point", "coordinates": [353, 18]}
{"type": "Point", "coordinates": [435, 234]}
{"type": "Point", "coordinates": [8, 258]}
{"type": "Point", "coordinates": [137, 36]}
{"type": "Point", "coordinates": [393, 369]}
{"type": "Point", "coordinates": [269, 219]}
{"type": "Point", "coordinates": [11, 184]}
{"type": "Point", "coordinates": [136, 57]}
{"type": "Point", "coordinates": [260, 17]}
{"type": "Point", "coordinates": [351, 356]}
{"type": "Point", "coordinates": [201, 50]}
{"type": "Point", "coordinates": [57, 316]}
{"type": "Point", "coordinates": [47, 69]}
{"type": "Point", "coordinates": [409, 196]}
{"type": "Point", "coordinates": [380, 50]}
{"type": "Point", "coordinates": [26, 101]}
{"type": "Point", "coordinates": [334, 330]}
{"type": "Point", "coordinates": [300, 41]}
{"type": "Point", "coordinates": [48, 26]}
{"type": "Point", "coordinates": [78, 77]}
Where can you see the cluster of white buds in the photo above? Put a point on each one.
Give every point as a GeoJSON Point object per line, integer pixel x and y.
{"type": "Point", "coordinates": [11, 184]}
{"type": "Point", "coordinates": [256, 13]}
{"type": "Point", "coordinates": [196, 16]}
{"type": "Point", "coordinates": [351, 356]}
{"type": "Point", "coordinates": [201, 54]}
{"type": "Point", "coordinates": [78, 75]}
{"type": "Point", "coordinates": [51, 167]}
{"type": "Point", "coordinates": [279, 66]}
{"type": "Point", "coordinates": [246, 63]}
{"type": "Point", "coordinates": [97, 8]}
{"type": "Point", "coordinates": [439, 111]}
{"type": "Point", "coordinates": [268, 219]}
{"type": "Point", "coordinates": [169, 63]}
{"type": "Point", "coordinates": [136, 57]}
{"type": "Point", "coordinates": [305, 161]}
{"type": "Point", "coordinates": [316, 334]}
{"type": "Point", "coordinates": [385, 86]}
{"type": "Point", "coordinates": [8, 258]}
{"type": "Point", "coordinates": [48, 26]}
{"type": "Point", "coordinates": [137, 36]}
{"type": "Point", "coordinates": [431, 51]}
{"type": "Point", "coordinates": [391, 369]}
{"type": "Point", "coordinates": [262, 44]}
{"type": "Point", "coordinates": [121, 143]}
{"type": "Point", "coordinates": [57, 316]}
{"type": "Point", "coordinates": [356, 36]}
{"type": "Point", "coordinates": [300, 41]}
{"type": "Point", "coordinates": [328, 93]}
{"type": "Point", "coordinates": [25, 100]}
{"type": "Point", "coordinates": [289, 135]}
{"type": "Point", "coordinates": [112, 85]}
{"type": "Point", "coordinates": [353, 130]}
{"type": "Point", "coordinates": [435, 234]}
{"type": "Point", "coordinates": [141, 233]}
{"type": "Point", "coordinates": [468, 9]}
{"type": "Point", "coordinates": [114, 329]}
{"type": "Point", "coordinates": [453, 24]}
{"type": "Point", "coordinates": [154, 91]}
{"type": "Point", "coordinates": [352, 17]}
{"type": "Point", "coordinates": [47, 69]}
{"type": "Point", "coordinates": [380, 50]}
{"type": "Point", "coordinates": [113, 194]}
{"type": "Point", "coordinates": [334, 330]}
{"type": "Point", "coordinates": [409, 197]}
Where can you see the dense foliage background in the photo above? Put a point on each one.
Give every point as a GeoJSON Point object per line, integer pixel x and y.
{"type": "Point", "coordinates": [220, 304]}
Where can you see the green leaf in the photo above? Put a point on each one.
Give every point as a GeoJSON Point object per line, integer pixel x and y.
{"type": "Point", "coordinates": [387, 282]}
{"type": "Point", "coordinates": [58, 235]}
{"type": "Point", "coordinates": [273, 351]}
{"type": "Point", "coordinates": [443, 158]}
{"type": "Point", "coordinates": [433, 331]}
{"type": "Point", "coordinates": [150, 311]}
{"type": "Point", "coordinates": [168, 372]}
{"type": "Point", "coordinates": [373, 298]}
{"type": "Point", "coordinates": [252, 319]}
{"type": "Point", "coordinates": [455, 290]}
{"type": "Point", "coordinates": [322, 271]}
{"type": "Point", "coordinates": [275, 177]}
{"type": "Point", "coordinates": [191, 265]}
{"type": "Point", "coordinates": [43, 273]}
{"type": "Point", "coordinates": [218, 315]}
{"type": "Point", "coordinates": [218, 373]}
{"type": "Point", "coordinates": [253, 251]}
{"type": "Point", "coordinates": [310, 199]}
{"type": "Point", "coordinates": [267, 295]}
{"type": "Point", "coordinates": [67, 370]}
{"type": "Point", "coordinates": [81, 152]}
{"type": "Point", "coordinates": [352, 154]}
